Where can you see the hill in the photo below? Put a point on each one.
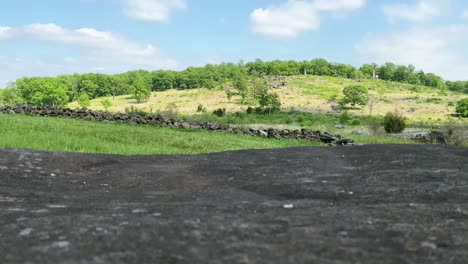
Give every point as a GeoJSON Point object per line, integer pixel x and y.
{"type": "Point", "coordinates": [315, 94]}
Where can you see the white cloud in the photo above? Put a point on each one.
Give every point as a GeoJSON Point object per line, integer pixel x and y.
{"type": "Point", "coordinates": [428, 49]}
{"type": "Point", "coordinates": [5, 31]}
{"type": "Point", "coordinates": [296, 16]}
{"type": "Point", "coordinates": [287, 20]}
{"type": "Point", "coordinates": [335, 5]}
{"type": "Point", "coordinates": [153, 10]}
{"type": "Point", "coordinates": [464, 15]}
{"type": "Point", "coordinates": [98, 45]}
{"type": "Point", "coordinates": [417, 12]}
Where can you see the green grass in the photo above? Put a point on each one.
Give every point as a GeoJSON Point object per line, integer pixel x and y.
{"type": "Point", "coordinates": [68, 135]}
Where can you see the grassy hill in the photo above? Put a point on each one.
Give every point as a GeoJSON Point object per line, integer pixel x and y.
{"type": "Point", "coordinates": [308, 94]}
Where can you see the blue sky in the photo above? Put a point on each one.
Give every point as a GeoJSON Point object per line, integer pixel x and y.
{"type": "Point", "coordinates": [51, 37]}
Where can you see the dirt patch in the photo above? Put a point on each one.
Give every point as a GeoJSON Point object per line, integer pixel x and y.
{"type": "Point", "coordinates": [363, 204]}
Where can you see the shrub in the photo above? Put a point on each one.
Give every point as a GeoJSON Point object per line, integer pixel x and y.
{"type": "Point", "coordinates": [375, 127]}
{"type": "Point", "coordinates": [132, 110]}
{"type": "Point", "coordinates": [106, 103]}
{"type": "Point", "coordinates": [433, 100]}
{"type": "Point", "coordinates": [356, 122]}
{"type": "Point", "coordinates": [454, 132]}
{"type": "Point", "coordinates": [250, 110]}
{"type": "Point", "coordinates": [394, 122]}
{"type": "Point", "coordinates": [220, 112]}
{"type": "Point", "coordinates": [345, 118]}
{"type": "Point", "coordinates": [462, 107]}
{"type": "Point", "coordinates": [83, 100]}
{"type": "Point", "coordinates": [451, 104]}
{"type": "Point", "coordinates": [201, 109]}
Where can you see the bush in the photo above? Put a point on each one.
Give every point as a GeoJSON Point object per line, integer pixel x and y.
{"type": "Point", "coordinates": [375, 128]}
{"type": "Point", "coordinates": [394, 122]}
{"type": "Point", "coordinates": [220, 112]}
{"type": "Point", "coordinates": [454, 132]}
{"type": "Point", "coordinates": [462, 107]}
{"type": "Point", "coordinates": [106, 103]}
{"type": "Point", "coordinates": [201, 109]}
{"type": "Point", "coordinates": [133, 110]}
{"type": "Point", "coordinates": [83, 100]}
{"type": "Point", "coordinates": [345, 118]}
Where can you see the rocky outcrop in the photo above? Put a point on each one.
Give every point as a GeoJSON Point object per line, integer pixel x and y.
{"type": "Point", "coordinates": [303, 134]}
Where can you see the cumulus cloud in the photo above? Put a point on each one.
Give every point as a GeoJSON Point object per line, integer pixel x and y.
{"type": "Point", "coordinates": [286, 20]}
{"type": "Point", "coordinates": [153, 10]}
{"type": "Point", "coordinates": [427, 49]}
{"type": "Point", "coordinates": [464, 15]}
{"type": "Point", "coordinates": [296, 16]}
{"type": "Point", "coordinates": [5, 32]}
{"type": "Point", "coordinates": [417, 12]}
{"type": "Point", "coordinates": [99, 45]}
{"type": "Point", "coordinates": [339, 5]}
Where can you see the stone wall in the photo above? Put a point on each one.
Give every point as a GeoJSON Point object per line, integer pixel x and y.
{"type": "Point", "coordinates": [303, 134]}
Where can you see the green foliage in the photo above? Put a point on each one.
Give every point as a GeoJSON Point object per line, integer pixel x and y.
{"type": "Point", "coordinates": [355, 95]}
{"type": "Point", "coordinates": [462, 107]}
{"type": "Point", "coordinates": [201, 109]}
{"type": "Point", "coordinates": [63, 89]}
{"type": "Point", "coordinates": [43, 91]}
{"type": "Point", "coordinates": [240, 84]}
{"type": "Point", "coordinates": [140, 89]}
{"type": "Point", "coordinates": [345, 118]}
{"type": "Point", "coordinates": [270, 102]}
{"type": "Point", "coordinates": [83, 100]}
{"type": "Point", "coordinates": [220, 112]}
{"type": "Point", "coordinates": [394, 122]}
{"type": "Point", "coordinates": [106, 103]}
{"type": "Point", "coordinates": [9, 97]}
{"type": "Point", "coordinates": [434, 100]}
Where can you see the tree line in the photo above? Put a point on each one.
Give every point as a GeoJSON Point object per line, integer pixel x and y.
{"type": "Point", "coordinates": [58, 91]}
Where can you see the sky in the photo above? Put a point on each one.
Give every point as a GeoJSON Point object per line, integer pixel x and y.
{"type": "Point", "coordinates": [52, 37]}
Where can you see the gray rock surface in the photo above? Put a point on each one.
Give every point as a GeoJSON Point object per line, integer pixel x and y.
{"type": "Point", "coordinates": [365, 204]}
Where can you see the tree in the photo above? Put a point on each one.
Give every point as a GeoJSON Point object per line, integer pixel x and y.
{"type": "Point", "coordinates": [240, 83]}
{"type": "Point", "coordinates": [462, 107]}
{"type": "Point", "coordinates": [258, 84]}
{"type": "Point", "coordinates": [140, 90]}
{"type": "Point", "coordinates": [43, 91]}
{"type": "Point", "coordinates": [355, 95]}
{"type": "Point", "coordinates": [372, 100]}
{"type": "Point", "coordinates": [83, 100]}
{"type": "Point", "coordinates": [8, 96]}
{"type": "Point", "coordinates": [269, 101]}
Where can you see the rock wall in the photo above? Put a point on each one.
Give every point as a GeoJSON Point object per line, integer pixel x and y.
{"type": "Point", "coordinates": [303, 134]}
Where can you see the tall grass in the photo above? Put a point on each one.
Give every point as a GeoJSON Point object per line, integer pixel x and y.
{"type": "Point", "coordinates": [57, 134]}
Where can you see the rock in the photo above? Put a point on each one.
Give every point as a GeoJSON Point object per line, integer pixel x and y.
{"type": "Point", "coordinates": [263, 133]}
{"type": "Point", "coordinates": [185, 125]}
{"type": "Point", "coordinates": [344, 141]}
{"type": "Point", "coordinates": [214, 126]}
{"type": "Point", "coordinates": [340, 127]}
{"type": "Point", "coordinates": [357, 132]}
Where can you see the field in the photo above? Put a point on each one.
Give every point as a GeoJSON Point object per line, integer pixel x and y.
{"type": "Point", "coordinates": [309, 94]}
{"type": "Point", "coordinates": [57, 134]}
